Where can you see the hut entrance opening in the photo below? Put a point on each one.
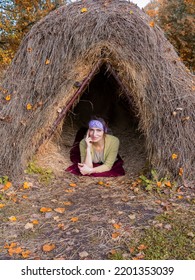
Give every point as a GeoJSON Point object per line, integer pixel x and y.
{"type": "Point", "coordinates": [104, 97]}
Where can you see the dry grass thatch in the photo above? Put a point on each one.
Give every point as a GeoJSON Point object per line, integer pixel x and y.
{"type": "Point", "coordinates": [64, 47]}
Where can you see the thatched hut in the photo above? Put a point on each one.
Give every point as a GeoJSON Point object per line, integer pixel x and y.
{"type": "Point", "coordinates": [105, 58]}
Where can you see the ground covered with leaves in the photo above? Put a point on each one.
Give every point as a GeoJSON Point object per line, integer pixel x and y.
{"type": "Point", "coordinates": [74, 218]}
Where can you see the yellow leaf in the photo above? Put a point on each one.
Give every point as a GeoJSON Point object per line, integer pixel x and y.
{"type": "Point", "coordinates": [69, 191]}
{"type": "Point", "coordinates": [67, 203]}
{"type": "Point", "coordinates": [168, 183]}
{"type": "Point", "coordinates": [83, 10]}
{"type": "Point", "coordinates": [8, 97]}
{"type": "Point", "coordinates": [2, 205]}
{"type": "Point", "coordinates": [151, 23]}
{"type": "Point", "coordinates": [180, 171]}
{"type": "Point", "coordinates": [131, 12]}
{"type": "Point", "coordinates": [59, 210]}
{"type": "Point", "coordinates": [45, 209]}
{"type": "Point", "coordinates": [100, 183]}
{"type": "Point", "coordinates": [29, 106]}
{"type": "Point", "coordinates": [74, 219]}
{"type": "Point", "coordinates": [115, 235]}
{"type": "Point", "coordinates": [116, 226]}
{"type": "Point", "coordinates": [25, 196]}
{"type": "Point", "coordinates": [12, 219]}
{"type": "Point", "coordinates": [48, 247]}
{"type": "Point", "coordinates": [26, 185]}
{"type": "Point", "coordinates": [47, 61]}
{"type": "Point", "coordinates": [72, 185]}
{"type": "Point", "coordinates": [174, 156]}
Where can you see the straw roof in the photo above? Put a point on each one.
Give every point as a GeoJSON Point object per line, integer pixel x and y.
{"type": "Point", "coordinates": [63, 48]}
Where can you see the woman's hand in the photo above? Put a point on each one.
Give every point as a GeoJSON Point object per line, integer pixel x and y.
{"type": "Point", "coordinates": [88, 140]}
{"type": "Point", "coordinates": [84, 169]}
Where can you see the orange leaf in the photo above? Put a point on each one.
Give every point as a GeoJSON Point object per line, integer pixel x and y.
{"type": "Point", "coordinates": [151, 23]}
{"type": "Point", "coordinates": [174, 156]}
{"type": "Point", "coordinates": [69, 191]}
{"type": "Point", "coordinates": [48, 247]}
{"type": "Point", "coordinates": [25, 196]}
{"type": "Point", "coordinates": [67, 203]}
{"type": "Point", "coordinates": [115, 235]}
{"type": "Point", "coordinates": [7, 186]}
{"type": "Point", "coordinates": [8, 97]}
{"type": "Point", "coordinates": [59, 210]}
{"type": "Point", "coordinates": [13, 250]}
{"type": "Point", "coordinates": [25, 254]}
{"type": "Point", "coordinates": [180, 197]}
{"type": "Point", "coordinates": [100, 183]}
{"type": "Point", "coordinates": [74, 219]}
{"type": "Point", "coordinates": [72, 185]}
{"type": "Point", "coordinates": [168, 184]}
{"type": "Point", "coordinates": [180, 171]}
{"type": "Point", "coordinates": [45, 209]}
{"type": "Point", "coordinates": [158, 184]}
{"type": "Point", "coordinates": [35, 222]}
{"type": "Point", "coordinates": [116, 226]}
{"type": "Point", "coordinates": [2, 205]}
{"type": "Point", "coordinates": [131, 250]}
{"type": "Point", "coordinates": [142, 247]}
{"type": "Point", "coordinates": [47, 61]}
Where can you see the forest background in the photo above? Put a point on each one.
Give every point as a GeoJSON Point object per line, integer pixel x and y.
{"type": "Point", "coordinates": [175, 17]}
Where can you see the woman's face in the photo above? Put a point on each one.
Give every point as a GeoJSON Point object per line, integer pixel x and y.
{"type": "Point", "coordinates": [96, 134]}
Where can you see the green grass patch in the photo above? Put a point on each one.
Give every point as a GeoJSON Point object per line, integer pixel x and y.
{"type": "Point", "coordinates": [45, 175]}
{"type": "Point", "coordinates": [171, 237]}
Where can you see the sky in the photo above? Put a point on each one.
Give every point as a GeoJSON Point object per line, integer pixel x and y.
{"type": "Point", "coordinates": [141, 3]}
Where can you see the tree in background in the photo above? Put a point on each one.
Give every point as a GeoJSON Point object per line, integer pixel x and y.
{"type": "Point", "coordinates": [16, 18]}
{"type": "Point", "coordinates": [177, 19]}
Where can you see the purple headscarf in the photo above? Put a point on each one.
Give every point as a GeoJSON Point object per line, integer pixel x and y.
{"type": "Point", "coordinates": [97, 124]}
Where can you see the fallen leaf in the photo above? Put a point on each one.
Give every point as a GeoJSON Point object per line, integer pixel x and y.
{"type": "Point", "coordinates": [131, 250]}
{"type": "Point", "coordinates": [59, 210]}
{"type": "Point", "coordinates": [168, 184]}
{"type": "Point", "coordinates": [142, 247]}
{"type": "Point", "coordinates": [29, 106]}
{"type": "Point", "coordinates": [180, 196]}
{"type": "Point", "coordinates": [158, 184]}
{"type": "Point", "coordinates": [131, 12]}
{"type": "Point", "coordinates": [180, 171]}
{"type": "Point", "coordinates": [83, 10]}
{"type": "Point", "coordinates": [35, 222]}
{"type": "Point", "coordinates": [12, 218]}
{"type": "Point", "coordinates": [29, 226]}
{"type": "Point", "coordinates": [67, 203]}
{"type": "Point", "coordinates": [174, 156]}
{"type": "Point", "coordinates": [61, 226]}
{"type": "Point", "coordinates": [72, 185]}
{"type": "Point", "coordinates": [7, 186]}
{"type": "Point", "coordinates": [74, 219]}
{"type": "Point", "coordinates": [100, 183]}
{"type": "Point", "coordinates": [2, 205]}
{"type": "Point", "coordinates": [83, 254]}
{"type": "Point", "coordinates": [13, 250]}
{"type": "Point", "coordinates": [151, 23]}
{"type": "Point", "coordinates": [168, 226]}
{"type": "Point", "coordinates": [47, 61]}
{"type": "Point", "coordinates": [48, 247]}
{"type": "Point", "coordinates": [132, 216]}
{"type": "Point", "coordinates": [69, 191]}
{"type": "Point", "coordinates": [8, 97]}
{"type": "Point", "coordinates": [45, 209]}
{"type": "Point", "coordinates": [25, 196]}
{"type": "Point", "coordinates": [115, 235]}
{"type": "Point", "coordinates": [190, 234]}
{"type": "Point", "coordinates": [116, 226]}
{"type": "Point", "coordinates": [25, 254]}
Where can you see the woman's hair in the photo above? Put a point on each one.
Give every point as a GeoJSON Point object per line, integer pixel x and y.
{"type": "Point", "coordinates": [102, 122]}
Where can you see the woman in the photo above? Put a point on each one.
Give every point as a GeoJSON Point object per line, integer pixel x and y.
{"type": "Point", "coordinates": [98, 153]}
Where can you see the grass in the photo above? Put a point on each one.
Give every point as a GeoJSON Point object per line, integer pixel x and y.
{"type": "Point", "coordinates": [171, 237]}
{"type": "Point", "coordinates": [45, 175]}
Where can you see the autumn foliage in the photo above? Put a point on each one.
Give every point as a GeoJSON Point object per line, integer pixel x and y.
{"type": "Point", "coordinates": [176, 18]}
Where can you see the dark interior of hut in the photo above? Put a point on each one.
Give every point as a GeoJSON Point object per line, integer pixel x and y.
{"type": "Point", "coordinates": [105, 98]}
